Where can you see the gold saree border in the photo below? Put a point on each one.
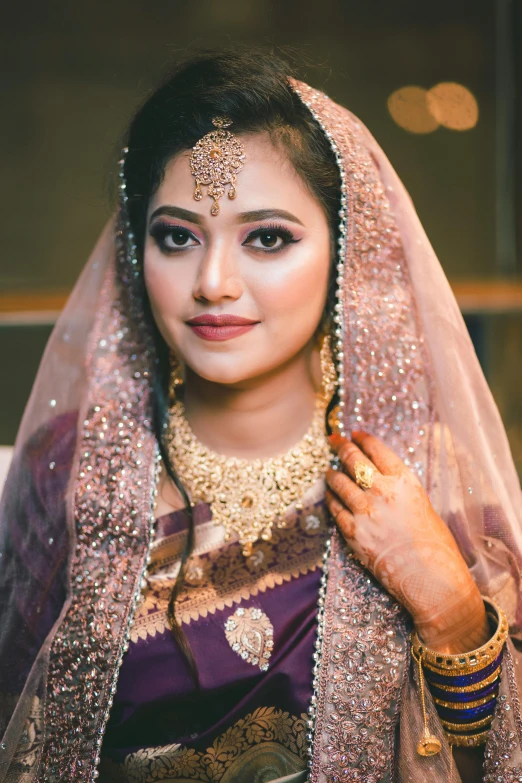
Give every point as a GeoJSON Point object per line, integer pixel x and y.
{"type": "Point", "coordinates": [266, 730]}
{"type": "Point", "coordinates": [220, 576]}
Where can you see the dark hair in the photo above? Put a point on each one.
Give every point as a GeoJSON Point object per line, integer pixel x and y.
{"type": "Point", "coordinates": [252, 88]}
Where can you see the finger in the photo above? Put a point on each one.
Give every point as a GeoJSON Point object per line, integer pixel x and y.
{"type": "Point", "coordinates": [384, 459]}
{"type": "Point", "coordinates": [349, 453]}
{"type": "Point", "coordinates": [343, 518]}
{"type": "Point", "coordinates": [347, 491]}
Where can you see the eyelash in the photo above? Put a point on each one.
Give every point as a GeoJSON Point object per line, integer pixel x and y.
{"type": "Point", "coordinates": [159, 231]}
{"type": "Point", "coordinates": [281, 231]}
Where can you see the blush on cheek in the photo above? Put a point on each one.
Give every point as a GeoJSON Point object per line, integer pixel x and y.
{"type": "Point", "coordinates": [301, 288]}
{"type": "Point", "coordinates": [155, 281]}
{"type": "Point", "coordinates": [163, 296]}
{"type": "Point", "coordinates": [303, 297]}
{"type": "Point", "coordinates": [163, 287]}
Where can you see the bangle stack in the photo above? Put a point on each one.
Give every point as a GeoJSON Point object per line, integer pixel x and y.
{"type": "Point", "coordinates": [464, 687]}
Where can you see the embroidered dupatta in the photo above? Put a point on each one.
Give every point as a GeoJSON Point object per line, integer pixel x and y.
{"type": "Point", "coordinates": [411, 377]}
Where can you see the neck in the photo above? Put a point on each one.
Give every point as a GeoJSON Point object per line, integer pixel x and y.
{"type": "Point", "coordinates": [257, 418]}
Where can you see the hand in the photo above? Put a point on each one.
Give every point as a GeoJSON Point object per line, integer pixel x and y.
{"type": "Point", "coordinates": [394, 531]}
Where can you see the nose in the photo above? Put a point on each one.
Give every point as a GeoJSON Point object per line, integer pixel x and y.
{"type": "Point", "coordinates": [218, 276]}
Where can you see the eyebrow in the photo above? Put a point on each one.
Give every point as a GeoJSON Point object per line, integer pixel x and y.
{"type": "Point", "coordinates": [264, 214]}
{"type": "Point", "coordinates": [243, 217]}
{"type": "Point", "coordinates": [178, 212]}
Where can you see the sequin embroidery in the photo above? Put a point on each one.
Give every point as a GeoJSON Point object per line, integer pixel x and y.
{"type": "Point", "coordinates": [250, 634]}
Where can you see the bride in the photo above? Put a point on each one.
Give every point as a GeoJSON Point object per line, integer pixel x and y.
{"type": "Point", "coordinates": [262, 523]}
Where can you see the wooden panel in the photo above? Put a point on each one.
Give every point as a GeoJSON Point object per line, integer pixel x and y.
{"type": "Point", "coordinates": [473, 296]}
{"type": "Point", "coordinates": [487, 296]}
{"type": "Point", "coordinates": [27, 301]}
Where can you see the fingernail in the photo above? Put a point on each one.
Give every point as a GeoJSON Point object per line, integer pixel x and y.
{"type": "Point", "coordinates": [335, 440]}
{"type": "Point", "coordinates": [357, 433]}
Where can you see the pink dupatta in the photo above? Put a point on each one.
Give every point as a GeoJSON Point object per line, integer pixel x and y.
{"type": "Point", "coordinates": [411, 377]}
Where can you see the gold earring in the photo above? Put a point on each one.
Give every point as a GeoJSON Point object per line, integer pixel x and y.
{"type": "Point", "coordinates": [329, 382]}
{"type": "Point", "coordinates": [328, 371]}
{"type": "Point", "coordinates": [176, 378]}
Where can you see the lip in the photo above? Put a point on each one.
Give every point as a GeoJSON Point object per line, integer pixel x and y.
{"type": "Point", "coordinates": [220, 327]}
{"type": "Point", "coordinates": [223, 319]}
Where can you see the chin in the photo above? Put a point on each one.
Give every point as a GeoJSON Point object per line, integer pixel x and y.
{"type": "Point", "coordinates": [229, 378]}
{"type": "Point", "coordinates": [234, 373]}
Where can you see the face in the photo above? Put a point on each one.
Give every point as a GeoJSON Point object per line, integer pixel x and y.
{"type": "Point", "coordinates": [263, 262]}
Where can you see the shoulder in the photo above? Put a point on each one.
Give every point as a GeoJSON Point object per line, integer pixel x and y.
{"type": "Point", "coordinates": [44, 463]}
{"type": "Point", "coordinates": [56, 437]}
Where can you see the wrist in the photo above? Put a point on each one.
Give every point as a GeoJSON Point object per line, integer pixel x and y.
{"type": "Point", "coordinates": [463, 628]}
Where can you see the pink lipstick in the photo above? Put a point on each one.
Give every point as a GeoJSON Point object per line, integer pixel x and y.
{"type": "Point", "coordinates": [220, 327]}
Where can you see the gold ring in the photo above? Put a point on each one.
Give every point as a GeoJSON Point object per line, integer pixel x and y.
{"type": "Point", "coordinates": [364, 475]}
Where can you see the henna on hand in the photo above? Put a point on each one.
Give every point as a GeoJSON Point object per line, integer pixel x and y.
{"type": "Point", "coordinates": [394, 531]}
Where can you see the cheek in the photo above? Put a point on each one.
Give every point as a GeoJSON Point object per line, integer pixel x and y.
{"type": "Point", "coordinates": [166, 292]}
{"type": "Point", "coordinates": [296, 293]}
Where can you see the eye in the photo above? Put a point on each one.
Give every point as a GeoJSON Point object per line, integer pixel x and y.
{"type": "Point", "coordinates": [270, 239]}
{"type": "Point", "coordinates": [172, 238]}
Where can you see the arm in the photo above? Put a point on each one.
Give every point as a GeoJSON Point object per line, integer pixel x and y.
{"type": "Point", "coordinates": [394, 531]}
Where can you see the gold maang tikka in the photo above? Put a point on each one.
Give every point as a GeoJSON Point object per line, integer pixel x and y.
{"type": "Point", "coordinates": [251, 497]}
{"type": "Point", "coordinates": [215, 161]}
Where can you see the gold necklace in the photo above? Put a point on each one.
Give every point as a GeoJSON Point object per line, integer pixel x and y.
{"type": "Point", "coordinates": [248, 497]}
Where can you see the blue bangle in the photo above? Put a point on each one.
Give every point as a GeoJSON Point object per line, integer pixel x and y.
{"type": "Point", "coordinates": [458, 696]}
{"type": "Point", "coordinates": [471, 715]}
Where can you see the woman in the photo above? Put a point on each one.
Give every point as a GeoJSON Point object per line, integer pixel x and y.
{"type": "Point", "coordinates": [177, 603]}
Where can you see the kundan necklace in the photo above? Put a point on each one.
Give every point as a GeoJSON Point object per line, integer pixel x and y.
{"type": "Point", "coordinates": [248, 497]}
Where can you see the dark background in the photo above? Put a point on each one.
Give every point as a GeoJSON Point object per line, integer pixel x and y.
{"type": "Point", "coordinates": [73, 73]}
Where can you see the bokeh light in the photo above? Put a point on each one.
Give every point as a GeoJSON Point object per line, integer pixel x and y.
{"type": "Point", "coordinates": [453, 106]}
{"type": "Point", "coordinates": [423, 111]}
{"type": "Point", "coordinates": [409, 108]}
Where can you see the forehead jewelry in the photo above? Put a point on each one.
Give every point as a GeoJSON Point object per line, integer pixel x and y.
{"type": "Point", "coordinates": [215, 161]}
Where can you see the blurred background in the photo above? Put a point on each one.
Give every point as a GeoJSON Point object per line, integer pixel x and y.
{"type": "Point", "coordinates": [438, 84]}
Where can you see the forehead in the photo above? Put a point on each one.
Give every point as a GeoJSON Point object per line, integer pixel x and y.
{"type": "Point", "coordinates": [267, 180]}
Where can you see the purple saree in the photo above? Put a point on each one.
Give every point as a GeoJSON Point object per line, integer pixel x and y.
{"type": "Point", "coordinates": [251, 624]}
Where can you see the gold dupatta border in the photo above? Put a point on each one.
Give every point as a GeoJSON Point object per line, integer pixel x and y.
{"type": "Point", "coordinates": [364, 660]}
{"type": "Point", "coordinates": [363, 651]}
{"type": "Point", "coordinates": [115, 485]}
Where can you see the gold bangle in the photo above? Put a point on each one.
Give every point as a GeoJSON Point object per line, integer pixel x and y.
{"type": "Point", "coordinates": [468, 688]}
{"type": "Point", "coordinates": [456, 705]}
{"type": "Point", "coordinates": [478, 724]}
{"type": "Point", "coordinates": [467, 741]}
{"type": "Point", "coordinates": [465, 663]}
{"type": "Point", "coordinates": [463, 670]}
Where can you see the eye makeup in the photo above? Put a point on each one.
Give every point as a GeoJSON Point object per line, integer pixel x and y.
{"type": "Point", "coordinates": [171, 238]}
{"type": "Point", "coordinates": [181, 238]}
{"type": "Point", "coordinates": [268, 236]}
